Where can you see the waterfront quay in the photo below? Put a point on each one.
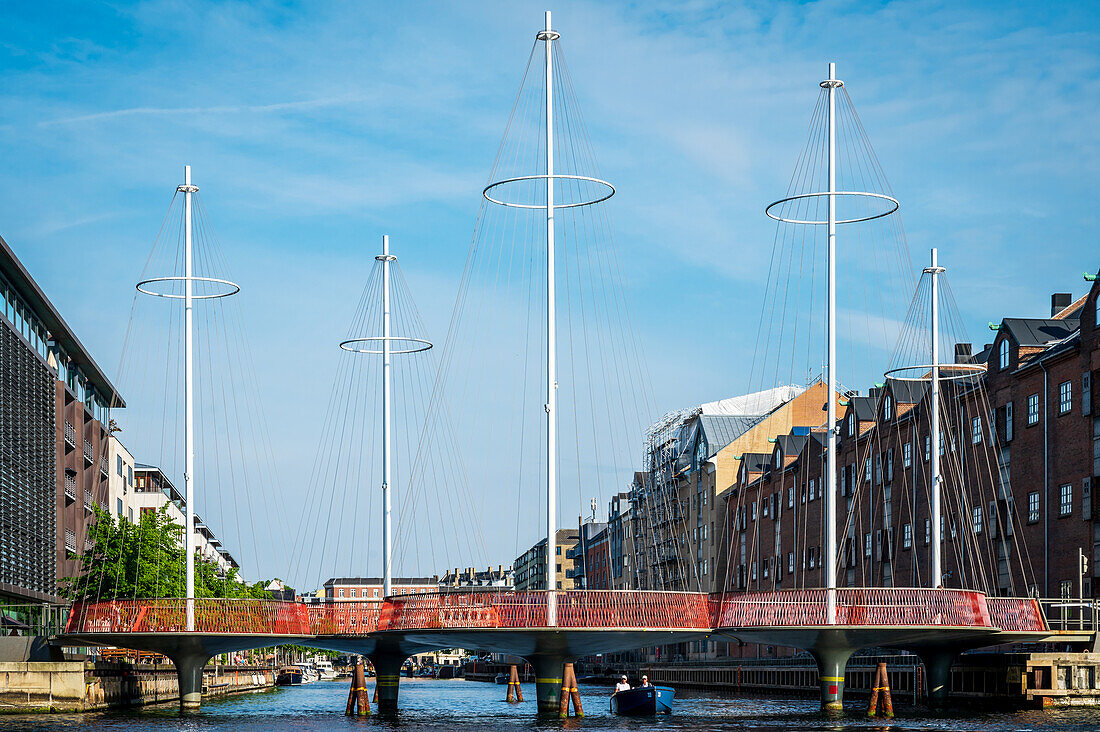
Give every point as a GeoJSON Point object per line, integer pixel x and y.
{"type": "Point", "coordinates": [465, 705]}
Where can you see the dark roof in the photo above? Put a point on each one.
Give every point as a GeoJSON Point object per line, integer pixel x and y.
{"type": "Point", "coordinates": [14, 271]}
{"type": "Point", "coordinates": [791, 444]}
{"type": "Point", "coordinates": [906, 391]}
{"type": "Point", "coordinates": [378, 580]}
{"type": "Point", "coordinates": [1039, 331]}
{"type": "Point", "coordinates": [864, 407]}
{"type": "Point", "coordinates": [756, 461]}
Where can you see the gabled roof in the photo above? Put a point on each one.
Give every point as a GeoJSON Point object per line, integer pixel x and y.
{"type": "Point", "coordinates": [907, 391]}
{"type": "Point", "coordinates": [864, 407]}
{"type": "Point", "coordinates": [791, 445]}
{"type": "Point", "coordinates": [755, 462]}
{"type": "Point", "coordinates": [721, 431]}
{"type": "Point", "coordinates": [1039, 331]}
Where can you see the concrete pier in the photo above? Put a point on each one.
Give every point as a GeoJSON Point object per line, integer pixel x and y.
{"type": "Point", "coordinates": [83, 686]}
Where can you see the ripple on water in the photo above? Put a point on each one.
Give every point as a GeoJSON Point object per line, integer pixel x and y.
{"type": "Point", "coordinates": [461, 705]}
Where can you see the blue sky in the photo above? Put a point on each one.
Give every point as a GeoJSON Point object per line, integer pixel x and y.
{"type": "Point", "coordinates": [315, 127]}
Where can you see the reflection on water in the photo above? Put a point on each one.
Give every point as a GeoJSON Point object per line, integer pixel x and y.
{"type": "Point", "coordinates": [448, 705]}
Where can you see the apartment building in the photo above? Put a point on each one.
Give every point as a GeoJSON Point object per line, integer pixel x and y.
{"type": "Point", "coordinates": [531, 565]}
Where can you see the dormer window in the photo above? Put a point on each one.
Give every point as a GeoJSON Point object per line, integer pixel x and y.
{"type": "Point", "coordinates": [851, 424]}
{"type": "Point", "coordinates": [1002, 354]}
{"type": "Point", "coordinates": [778, 459]}
{"type": "Point", "coordinates": [888, 408]}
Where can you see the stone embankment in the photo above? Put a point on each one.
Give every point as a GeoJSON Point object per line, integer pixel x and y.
{"type": "Point", "coordinates": [80, 686]}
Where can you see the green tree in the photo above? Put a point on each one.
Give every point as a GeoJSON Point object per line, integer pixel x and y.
{"type": "Point", "coordinates": [146, 559]}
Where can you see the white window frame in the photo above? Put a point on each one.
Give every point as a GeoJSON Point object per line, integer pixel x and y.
{"type": "Point", "coordinates": [976, 430]}
{"type": "Point", "coordinates": [907, 454]}
{"type": "Point", "coordinates": [1065, 499]}
{"type": "Point", "coordinates": [1065, 397]}
{"type": "Point", "coordinates": [1032, 409]}
{"type": "Point", "coordinates": [1003, 354]}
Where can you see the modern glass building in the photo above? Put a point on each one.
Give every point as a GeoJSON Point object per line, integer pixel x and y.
{"type": "Point", "coordinates": [55, 407]}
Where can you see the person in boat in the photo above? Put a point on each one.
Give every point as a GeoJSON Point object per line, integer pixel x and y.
{"type": "Point", "coordinates": [623, 685]}
{"type": "Point", "coordinates": [645, 681]}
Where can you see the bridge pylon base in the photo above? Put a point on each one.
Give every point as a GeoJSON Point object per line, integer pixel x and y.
{"type": "Point", "coordinates": [937, 672]}
{"type": "Point", "coordinates": [189, 668]}
{"type": "Point", "coordinates": [387, 678]}
{"type": "Point", "coordinates": [831, 665]}
{"type": "Point", "coordinates": [548, 679]}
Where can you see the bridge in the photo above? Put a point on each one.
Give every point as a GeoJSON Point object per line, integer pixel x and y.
{"type": "Point", "coordinates": [937, 624]}
{"type": "Point", "coordinates": [552, 627]}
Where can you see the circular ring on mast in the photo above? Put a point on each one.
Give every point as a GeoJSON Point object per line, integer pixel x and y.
{"type": "Point", "coordinates": [407, 345]}
{"type": "Point", "coordinates": [547, 35]}
{"type": "Point", "coordinates": [231, 288]}
{"type": "Point", "coordinates": [606, 194]}
{"type": "Point", "coordinates": [948, 372]}
{"type": "Point", "coordinates": [891, 206]}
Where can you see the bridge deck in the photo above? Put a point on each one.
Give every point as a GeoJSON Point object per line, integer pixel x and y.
{"type": "Point", "coordinates": [576, 609]}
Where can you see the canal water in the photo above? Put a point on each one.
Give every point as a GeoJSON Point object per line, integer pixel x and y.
{"type": "Point", "coordinates": [479, 707]}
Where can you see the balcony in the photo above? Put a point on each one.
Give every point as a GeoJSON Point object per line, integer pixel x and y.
{"type": "Point", "coordinates": [103, 469]}
{"type": "Point", "coordinates": [70, 434]}
{"type": "Point", "coordinates": [70, 486]}
{"type": "Point", "coordinates": [70, 540]}
{"type": "Point", "coordinates": [89, 501]}
{"type": "Point", "coordinates": [89, 453]}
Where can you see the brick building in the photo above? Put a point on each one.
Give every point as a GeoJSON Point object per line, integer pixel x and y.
{"type": "Point", "coordinates": [358, 589]}
{"type": "Point", "coordinates": [1019, 454]}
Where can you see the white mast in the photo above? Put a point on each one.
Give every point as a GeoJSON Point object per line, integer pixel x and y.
{"type": "Point", "coordinates": [387, 559]}
{"type": "Point", "coordinates": [548, 37]}
{"type": "Point", "coordinates": [831, 85]}
{"type": "Point", "coordinates": [189, 399]}
{"type": "Point", "coordinates": [934, 447]}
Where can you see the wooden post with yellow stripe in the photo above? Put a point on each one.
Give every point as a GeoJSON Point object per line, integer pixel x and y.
{"type": "Point", "coordinates": [515, 691]}
{"type": "Point", "coordinates": [357, 697]}
{"type": "Point", "coordinates": [881, 691]}
{"type": "Point", "coordinates": [569, 693]}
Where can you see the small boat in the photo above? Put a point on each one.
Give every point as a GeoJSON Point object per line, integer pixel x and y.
{"type": "Point", "coordinates": [643, 700]}
{"type": "Point", "coordinates": [501, 678]}
{"type": "Point", "coordinates": [289, 676]}
{"type": "Point", "coordinates": [309, 673]}
{"type": "Point", "coordinates": [325, 671]}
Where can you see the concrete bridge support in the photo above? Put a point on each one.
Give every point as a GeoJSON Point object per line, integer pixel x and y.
{"type": "Point", "coordinates": [937, 672]}
{"type": "Point", "coordinates": [387, 670]}
{"type": "Point", "coordinates": [831, 664]}
{"type": "Point", "coordinates": [189, 668]}
{"type": "Point", "coordinates": [548, 677]}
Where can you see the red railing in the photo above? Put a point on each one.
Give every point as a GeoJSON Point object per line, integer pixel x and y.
{"type": "Point", "coordinates": [1016, 613]}
{"type": "Point", "coordinates": [575, 609]}
{"type": "Point", "coordinates": [264, 617]}
{"type": "Point", "coordinates": [344, 618]}
{"type": "Point", "coordinates": [854, 606]}
{"type": "Point", "coordinates": [608, 609]}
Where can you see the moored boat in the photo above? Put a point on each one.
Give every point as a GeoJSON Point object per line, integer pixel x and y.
{"type": "Point", "coordinates": [325, 671]}
{"type": "Point", "coordinates": [643, 700]}
{"type": "Point", "coordinates": [289, 676]}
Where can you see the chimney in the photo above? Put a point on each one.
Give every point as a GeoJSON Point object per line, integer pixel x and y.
{"type": "Point", "coordinates": [1059, 301]}
{"type": "Point", "coordinates": [963, 352]}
